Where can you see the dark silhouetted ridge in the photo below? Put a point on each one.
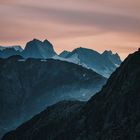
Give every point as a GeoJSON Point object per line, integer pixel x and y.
{"type": "Point", "coordinates": [28, 86]}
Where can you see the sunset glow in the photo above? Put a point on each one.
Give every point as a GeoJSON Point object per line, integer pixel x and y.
{"type": "Point", "coordinates": [68, 24]}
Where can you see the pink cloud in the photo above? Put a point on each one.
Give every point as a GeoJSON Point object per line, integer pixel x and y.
{"type": "Point", "coordinates": [63, 20]}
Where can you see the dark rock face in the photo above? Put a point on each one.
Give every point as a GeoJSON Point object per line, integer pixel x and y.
{"type": "Point", "coordinates": [28, 86]}
{"type": "Point", "coordinates": [118, 104]}
{"type": "Point", "coordinates": [112, 114]}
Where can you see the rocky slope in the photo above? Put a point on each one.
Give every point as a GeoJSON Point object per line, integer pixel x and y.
{"type": "Point", "coordinates": [112, 114]}
{"type": "Point", "coordinates": [29, 85]}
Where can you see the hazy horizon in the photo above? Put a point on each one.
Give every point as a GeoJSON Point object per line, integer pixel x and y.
{"type": "Point", "coordinates": [98, 24]}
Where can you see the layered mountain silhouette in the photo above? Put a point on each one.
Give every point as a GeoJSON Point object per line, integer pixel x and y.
{"type": "Point", "coordinates": [28, 86]}
{"type": "Point", "coordinates": [104, 64]}
{"type": "Point", "coordinates": [112, 114]}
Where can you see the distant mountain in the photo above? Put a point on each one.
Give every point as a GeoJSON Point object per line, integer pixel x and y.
{"type": "Point", "coordinates": [38, 49]}
{"type": "Point", "coordinates": [112, 114]}
{"type": "Point", "coordinates": [27, 86]}
{"type": "Point", "coordinates": [64, 54]}
{"type": "Point", "coordinates": [104, 64]}
{"type": "Point", "coordinates": [17, 48]}
{"type": "Point", "coordinates": [114, 58]}
{"type": "Point", "coordinates": [33, 49]}
{"type": "Point", "coordinates": [7, 51]}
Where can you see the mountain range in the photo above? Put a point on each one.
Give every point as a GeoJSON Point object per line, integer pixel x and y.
{"type": "Point", "coordinates": [36, 77]}
{"type": "Point", "coordinates": [30, 85]}
{"type": "Point", "coordinates": [111, 114]}
{"type": "Point", "coordinates": [104, 64]}
{"type": "Point", "coordinates": [8, 51]}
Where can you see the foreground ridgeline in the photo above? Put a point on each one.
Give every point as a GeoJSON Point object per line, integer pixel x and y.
{"type": "Point", "coordinates": [28, 86]}
{"type": "Point", "coordinates": [104, 64]}
{"type": "Point", "coordinates": [112, 114]}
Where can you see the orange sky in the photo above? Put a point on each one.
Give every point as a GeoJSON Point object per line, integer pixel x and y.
{"type": "Point", "coordinates": [68, 24]}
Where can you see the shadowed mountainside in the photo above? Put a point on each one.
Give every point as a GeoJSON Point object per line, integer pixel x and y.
{"type": "Point", "coordinates": [28, 86]}
{"type": "Point", "coordinates": [112, 114]}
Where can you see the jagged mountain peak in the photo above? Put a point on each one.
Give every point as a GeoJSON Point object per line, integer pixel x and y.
{"type": "Point", "coordinates": [39, 49]}
{"type": "Point", "coordinates": [107, 52]}
{"type": "Point", "coordinates": [114, 58]}
{"type": "Point", "coordinates": [84, 50]}
{"type": "Point", "coordinates": [47, 41]}
{"type": "Point", "coordinates": [36, 40]}
{"type": "Point", "coordinates": [64, 54]}
{"type": "Point", "coordinates": [116, 54]}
